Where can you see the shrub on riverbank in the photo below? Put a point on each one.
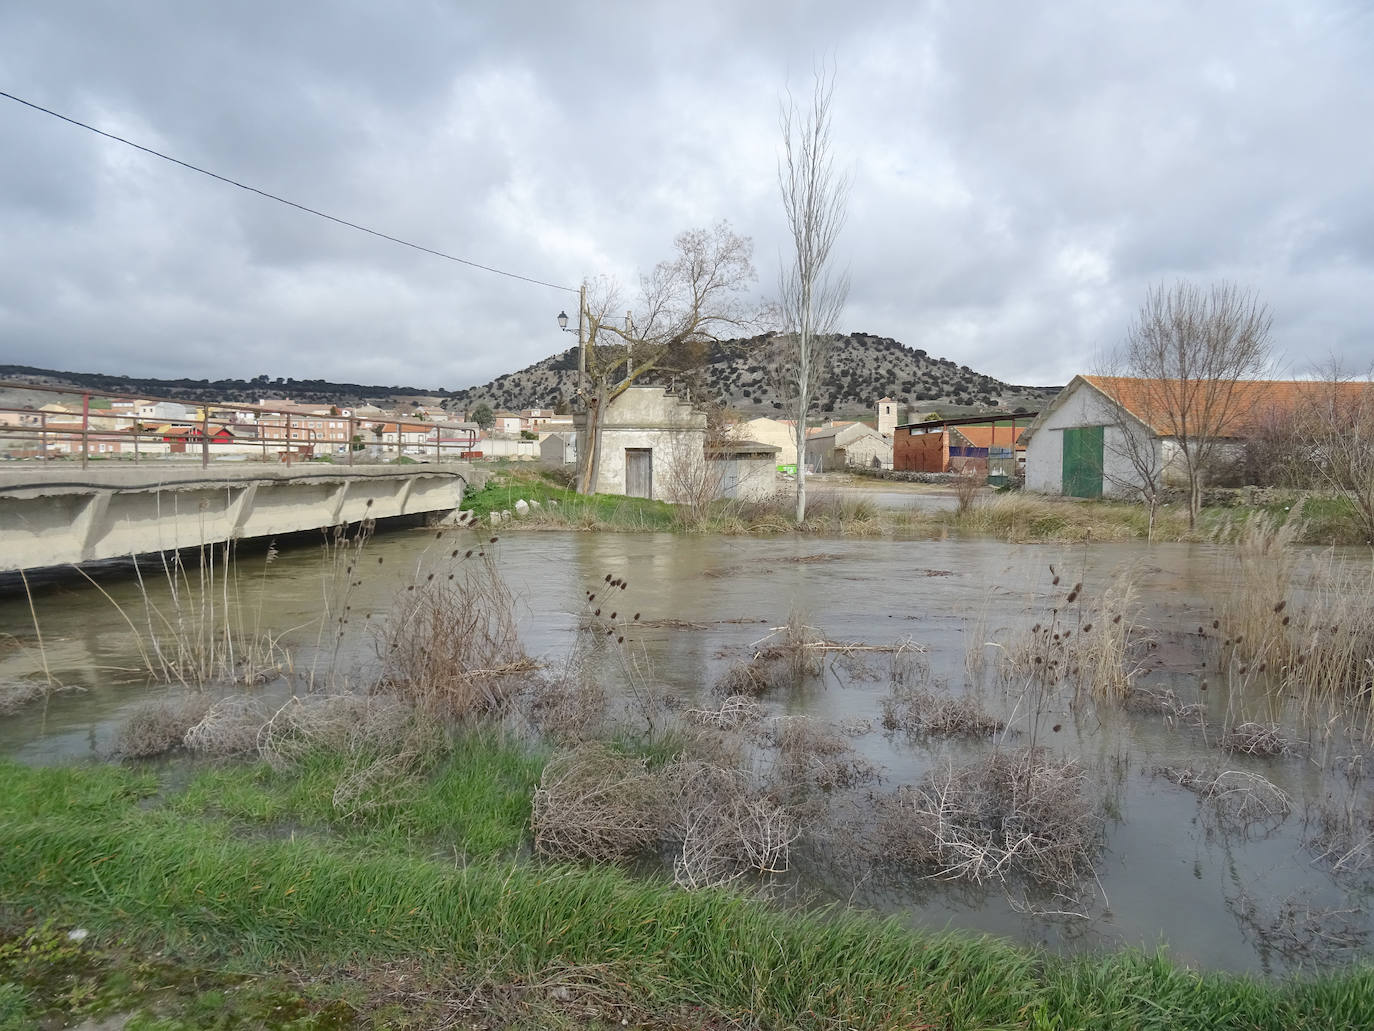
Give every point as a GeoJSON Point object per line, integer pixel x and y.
{"type": "Point", "coordinates": [80, 847]}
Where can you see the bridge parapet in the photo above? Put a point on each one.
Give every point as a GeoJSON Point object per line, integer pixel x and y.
{"type": "Point", "coordinates": [55, 516]}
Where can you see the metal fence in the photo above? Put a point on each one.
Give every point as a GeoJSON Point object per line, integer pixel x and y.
{"type": "Point", "coordinates": [215, 431]}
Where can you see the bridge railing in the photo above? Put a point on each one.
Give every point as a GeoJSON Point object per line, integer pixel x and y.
{"type": "Point", "coordinates": [96, 425]}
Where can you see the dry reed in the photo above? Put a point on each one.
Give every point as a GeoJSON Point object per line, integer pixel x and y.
{"type": "Point", "coordinates": [450, 646]}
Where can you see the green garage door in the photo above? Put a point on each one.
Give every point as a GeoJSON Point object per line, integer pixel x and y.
{"type": "Point", "coordinates": [1083, 461]}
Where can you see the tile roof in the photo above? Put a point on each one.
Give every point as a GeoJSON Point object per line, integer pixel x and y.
{"type": "Point", "coordinates": [986, 436]}
{"type": "Point", "coordinates": [1252, 402]}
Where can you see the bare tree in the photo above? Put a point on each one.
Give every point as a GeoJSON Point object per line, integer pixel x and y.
{"type": "Point", "coordinates": [812, 294]}
{"type": "Point", "coordinates": [1191, 348]}
{"type": "Point", "coordinates": [1336, 428]}
{"type": "Point", "coordinates": [1132, 459]}
{"type": "Point", "coordinates": [684, 305]}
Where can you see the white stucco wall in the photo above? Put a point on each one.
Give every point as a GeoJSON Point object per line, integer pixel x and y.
{"type": "Point", "coordinates": [771, 431]}
{"type": "Point", "coordinates": [646, 417]}
{"type": "Point", "coordinates": [1083, 406]}
{"type": "Point", "coordinates": [747, 477]}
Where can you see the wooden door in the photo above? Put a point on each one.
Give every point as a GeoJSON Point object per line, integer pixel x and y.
{"type": "Point", "coordinates": [639, 472]}
{"type": "Point", "coordinates": [1083, 461]}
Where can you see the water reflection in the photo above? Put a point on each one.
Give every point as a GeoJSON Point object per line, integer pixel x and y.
{"type": "Point", "coordinates": [1214, 896]}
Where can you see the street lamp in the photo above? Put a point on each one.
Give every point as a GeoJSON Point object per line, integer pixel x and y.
{"type": "Point", "coordinates": [581, 317]}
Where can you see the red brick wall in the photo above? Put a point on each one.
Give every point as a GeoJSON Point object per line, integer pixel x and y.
{"type": "Point", "coordinates": [921, 452]}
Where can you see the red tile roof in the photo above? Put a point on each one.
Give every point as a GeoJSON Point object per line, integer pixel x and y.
{"type": "Point", "coordinates": [1247, 404]}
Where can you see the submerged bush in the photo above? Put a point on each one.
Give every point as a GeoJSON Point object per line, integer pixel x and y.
{"type": "Point", "coordinates": [1008, 813]}
{"type": "Point", "coordinates": [159, 727]}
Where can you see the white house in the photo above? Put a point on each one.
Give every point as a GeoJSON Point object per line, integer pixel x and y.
{"type": "Point", "coordinates": [1081, 444]}
{"type": "Point", "coordinates": [649, 439]}
{"type": "Point", "coordinates": [780, 433]}
{"type": "Point", "coordinates": [1101, 433]}
{"type": "Point", "coordinates": [850, 444]}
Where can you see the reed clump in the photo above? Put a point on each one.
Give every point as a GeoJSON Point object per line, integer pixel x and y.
{"type": "Point", "coordinates": [450, 645]}
{"type": "Point", "coordinates": [1006, 814]}
{"type": "Point", "coordinates": [1089, 644]}
{"type": "Point", "coordinates": [1305, 633]}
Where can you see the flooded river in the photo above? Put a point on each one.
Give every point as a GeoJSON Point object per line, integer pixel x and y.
{"type": "Point", "coordinates": [1254, 898]}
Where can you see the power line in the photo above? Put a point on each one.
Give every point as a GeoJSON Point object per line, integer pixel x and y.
{"type": "Point", "coordinates": [283, 200]}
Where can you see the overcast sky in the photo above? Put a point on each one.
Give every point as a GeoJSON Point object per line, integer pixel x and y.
{"type": "Point", "coordinates": [1021, 172]}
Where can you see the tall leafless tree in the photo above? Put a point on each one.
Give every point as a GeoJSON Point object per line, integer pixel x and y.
{"type": "Point", "coordinates": [1191, 347]}
{"type": "Point", "coordinates": [684, 305]}
{"type": "Point", "coordinates": [1132, 458]}
{"type": "Point", "coordinates": [1336, 432]}
{"type": "Point", "coordinates": [812, 293]}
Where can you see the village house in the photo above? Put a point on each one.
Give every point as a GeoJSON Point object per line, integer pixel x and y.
{"type": "Point", "coordinates": [780, 433]}
{"type": "Point", "coordinates": [1100, 432]}
{"type": "Point", "coordinates": [979, 445]}
{"type": "Point", "coordinates": [649, 438]}
{"type": "Point", "coordinates": [743, 470]}
{"type": "Point", "coordinates": [842, 445]}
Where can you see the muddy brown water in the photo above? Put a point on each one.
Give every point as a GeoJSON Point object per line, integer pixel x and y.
{"type": "Point", "coordinates": [1256, 900]}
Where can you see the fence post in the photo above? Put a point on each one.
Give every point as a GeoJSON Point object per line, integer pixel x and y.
{"type": "Point", "coordinates": [287, 450]}
{"type": "Point", "coordinates": [351, 432]}
{"type": "Point", "coordinates": [205, 437]}
{"type": "Point", "coordinates": [43, 434]}
{"type": "Point", "coordinates": [85, 427]}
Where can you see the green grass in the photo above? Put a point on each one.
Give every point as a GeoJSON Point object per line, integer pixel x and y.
{"type": "Point", "coordinates": [579, 511]}
{"type": "Point", "coordinates": [476, 799]}
{"type": "Point", "coordinates": [91, 846]}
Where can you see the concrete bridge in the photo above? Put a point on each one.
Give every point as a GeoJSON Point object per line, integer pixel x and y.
{"type": "Point", "coordinates": [59, 516]}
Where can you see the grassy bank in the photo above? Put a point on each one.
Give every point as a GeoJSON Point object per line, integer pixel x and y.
{"type": "Point", "coordinates": [400, 916]}
{"type": "Point", "coordinates": [1011, 516]}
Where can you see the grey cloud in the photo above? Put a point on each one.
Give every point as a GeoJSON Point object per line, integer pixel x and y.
{"type": "Point", "coordinates": [1021, 173]}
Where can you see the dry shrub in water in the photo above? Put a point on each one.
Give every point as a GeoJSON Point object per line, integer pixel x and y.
{"type": "Point", "coordinates": [347, 724]}
{"type": "Point", "coordinates": [783, 660]}
{"type": "Point", "coordinates": [450, 646]}
{"type": "Point", "coordinates": [1299, 931]}
{"type": "Point", "coordinates": [1340, 830]}
{"type": "Point", "coordinates": [1233, 800]}
{"type": "Point", "coordinates": [736, 712]}
{"type": "Point", "coordinates": [720, 826]}
{"type": "Point", "coordinates": [598, 804]}
{"type": "Point", "coordinates": [594, 803]}
{"type": "Point", "coordinates": [1005, 814]}
{"type": "Point", "coordinates": [567, 708]}
{"type": "Point", "coordinates": [814, 755]}
{"type": "Point", "coordinates": [921, 713]}
{"type": "Point", "coordinates": [229, 727]}
{"type": "Point", "coordinates": [159, 727]}
{"type": "Point", "coordinates": [1255, 739]}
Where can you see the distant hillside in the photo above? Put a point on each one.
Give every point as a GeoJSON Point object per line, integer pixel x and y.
{"type": "Point", "coordinates": [243, 390]}
{"type": "Point", "coordinates": [863, 368]}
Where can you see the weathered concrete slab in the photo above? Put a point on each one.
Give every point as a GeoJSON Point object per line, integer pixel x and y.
{"type": "Point", "coordinates": [58, 515]}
